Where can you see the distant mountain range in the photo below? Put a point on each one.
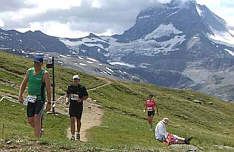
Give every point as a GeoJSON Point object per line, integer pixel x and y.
{"type": "Point", "coordinates": [173, 45]}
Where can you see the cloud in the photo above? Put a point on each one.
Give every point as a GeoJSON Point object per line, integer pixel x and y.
{"type": "Point", "coordinates": [223, 8]}
{"type": "Point", "coordinates": [98, 16]}
{"type": "Point", "coordinates": [1, 23]}
{"type": "Point", "coordinates": [79, 17]}
{"type": "Point", "coordinates": [13, 5]}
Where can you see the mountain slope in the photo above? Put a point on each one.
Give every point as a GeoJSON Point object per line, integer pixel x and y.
{"type": "Point", "coordinates": [31, 41]}
{"type": "Point", "coordinates": [173, 44]}
{"type": "Point", "coordinates": [124, 124]}
{"type": "Point", "coordinates": [178, 45]}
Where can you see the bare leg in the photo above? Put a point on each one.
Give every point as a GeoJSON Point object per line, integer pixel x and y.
{"type": "Point", "coordinates": [42, 130]}
{"type": "Point", "coordinates": [180, 140]}
{"type": "Point", "coordinates": [31, 121]}
{"type": "Point", "coordinates": [37, 125]}
{"type": "Point", "coordinates": [41, 121]}
{"type": "Point", "coordinates": [78, 125]}
{"type": "Point", "coordinates": [150, 120]}
{"type": "Point", "coordinates": [73, 119]}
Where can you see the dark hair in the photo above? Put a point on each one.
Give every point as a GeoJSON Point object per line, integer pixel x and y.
{"type": "Point", "coordinates": [151, 95]}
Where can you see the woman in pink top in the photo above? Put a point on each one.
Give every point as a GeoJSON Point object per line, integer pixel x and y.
{"type": "Point", "coordinates": [150, 106]}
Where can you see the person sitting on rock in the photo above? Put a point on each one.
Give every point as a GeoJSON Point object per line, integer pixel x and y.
{"type": "Point", "coordinates": [164, 137]}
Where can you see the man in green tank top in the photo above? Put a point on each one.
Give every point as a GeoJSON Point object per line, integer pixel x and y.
{"type": "Point", "coordinates": [38, 82]}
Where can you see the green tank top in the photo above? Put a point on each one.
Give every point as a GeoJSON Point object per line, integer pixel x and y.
{"type": "Point", "coordinates": [36, 86]}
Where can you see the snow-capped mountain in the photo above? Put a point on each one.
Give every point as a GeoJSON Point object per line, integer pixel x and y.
{"type": "Point", "coordinates": [92, 46]}
{"type": "Point", "coordinates": [181, 45]}
{"type": "Point", "coordinates": [37, 43]}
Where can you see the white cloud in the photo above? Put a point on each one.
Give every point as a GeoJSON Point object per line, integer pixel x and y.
{"type": "Point", "coordinates": [1, 23]}
{"type": "Point", "coordinates": [221, 8]}
{"type": "Point", "coordinates": [108, 32]}
{"type": "Point", "coordinates": [75, 18]}
{"type": "Point", "coordinates": [42, 6]}
{"type": "Point", "coordinates": [54, 4]}
{"type": "Point", "coordinates": [96, 4]}
{"type": "Point", "coordinates": [54, 29]}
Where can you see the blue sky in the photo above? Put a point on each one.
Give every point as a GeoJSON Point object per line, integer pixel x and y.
{"type": "Point", "coordinates": [76, 18]}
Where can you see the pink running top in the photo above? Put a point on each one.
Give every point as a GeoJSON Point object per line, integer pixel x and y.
{"type": "Point", "coordinates": [150, 105]}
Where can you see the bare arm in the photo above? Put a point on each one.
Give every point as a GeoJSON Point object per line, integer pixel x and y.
{"type": "Point", "coordinates": [67, 96]}
{"type": "Point", "coordinates": [48, 88]}
{"type": "Point", "coordinates": [145, 107]}
{"type": "Point", "coordinates": [85, 93]}
{"type": "Point", "coordinates": [84, 98]}
{"type": "Point", "coordinates": [23, 87]}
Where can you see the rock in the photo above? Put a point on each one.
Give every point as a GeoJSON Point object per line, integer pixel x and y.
{"type": "Point", "coordinates": [8, 142]}
{"type": "Point", "coordinates": [99, 106]}
{"type": "Point", "coordinates": [189, 98]}
{"type": "Point", "coordinates": [224, 147]}
{"type": "Point", "coordinates": [198, 101]}
{"type": "Point", "coordinates": [226, 133]}
{"type": "Point", "coordinates": [210, 103]}
{"type": "Point", "coordinates": [185, 148]}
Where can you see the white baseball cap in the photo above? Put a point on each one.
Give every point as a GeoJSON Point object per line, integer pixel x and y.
{"type": "Point", "coordinates": [76, 77]}
{"type": "Point", "coordinates": [165, 120]}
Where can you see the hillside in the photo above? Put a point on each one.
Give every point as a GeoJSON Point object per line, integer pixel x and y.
{"type": "Point", "coordinates": [124, 124]}
{"type": "Point", "coordinates": [160, 48]}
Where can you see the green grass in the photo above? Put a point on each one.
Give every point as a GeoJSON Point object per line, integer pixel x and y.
{"type": "Point", "coordinates": [8, 89]}
{"type": "Point", "coordinates": [209, 124]}
{"type": "Point", "coordinates": [124, 124]}
{"type": "Point", "coordinates": [13, 116]}
{"type": "Point", "coordinates": [15, 70]}
{"type": "Point", "coordinates": [11, 77]}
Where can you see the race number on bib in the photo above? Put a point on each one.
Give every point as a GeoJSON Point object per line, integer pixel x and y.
{"type": "Point", "coordinates": [74, 96]}
{"type": "Point", "coordinates": [150, 109]}
{"type": "Point", "coordinates": [31, 99]}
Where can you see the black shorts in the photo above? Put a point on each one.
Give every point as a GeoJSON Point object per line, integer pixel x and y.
{"type": "Point", "coordinates": [35, 108]}
{"type": "Point", "coordinates": [151, 113]}
{"type": "Point", "coordinates": [76, 110]}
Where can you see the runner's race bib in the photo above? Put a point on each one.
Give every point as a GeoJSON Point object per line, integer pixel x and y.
{"type": "Point", "coordinates": [150, 109]}
{"type": "Point", "coordinates": [74, 96]}
{"type": "Point", "coordinates": [31, 99]}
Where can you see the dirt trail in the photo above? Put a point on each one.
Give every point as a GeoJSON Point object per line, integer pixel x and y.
{"type": "Point", "coordinates": [108, 82]}
{"type": "Point", "coordinates": [92, 114]}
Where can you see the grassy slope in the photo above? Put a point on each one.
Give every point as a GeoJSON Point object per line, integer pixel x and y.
{"type": "Point", "coordinates": [13, 69]}
{"type": "Point", "coordinates": [14, 117]}
{"type": "Point", "coordinates": [124, 123]}
{"type": "Point", "coordinates": [209, 124]}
